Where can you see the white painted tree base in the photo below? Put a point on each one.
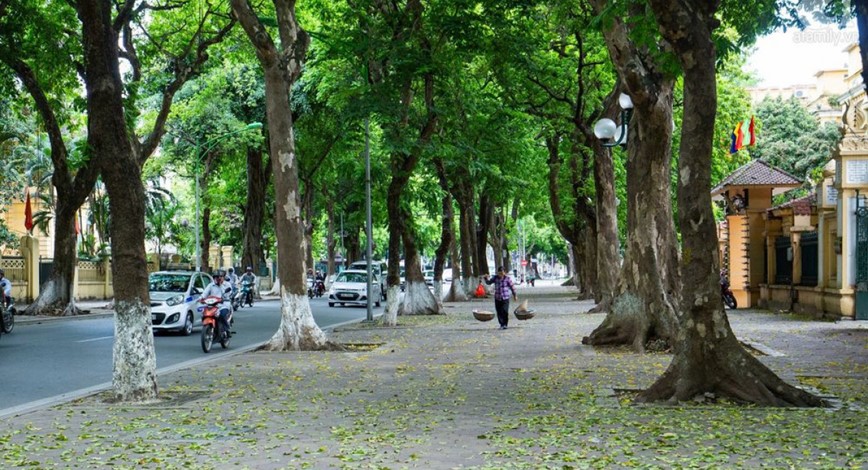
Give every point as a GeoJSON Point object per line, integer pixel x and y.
{"type": "Point", "coordinates": [390, 311]}
{"type": "Point", "coordinates": [418, 300]}
{"type": "Point", "coordinates": [134, 372]}
{"type": "Point", "coordinates": [298, 330]}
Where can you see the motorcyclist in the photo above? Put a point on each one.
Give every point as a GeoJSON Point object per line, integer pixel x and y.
{"type": "Point", "coordinates": [319, 285]}
{"type": "Point", "coordinates": [232, 279]}
{"type": "Point", "coordinates": [6, 288]}
{"type": "Point", "coordinates": [218, 289]}
{"type": "Point", "coordinates": [249, 277]}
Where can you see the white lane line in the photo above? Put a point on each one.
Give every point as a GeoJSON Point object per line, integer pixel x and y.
{"type": "Point", "coordinates": [95, 339]}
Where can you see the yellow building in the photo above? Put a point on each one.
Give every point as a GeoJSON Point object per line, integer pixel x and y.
{"type": "Point", "coordinates": [748, 195]}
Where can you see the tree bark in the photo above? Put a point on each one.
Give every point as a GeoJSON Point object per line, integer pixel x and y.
{"type": "Point", "coordinates": [707, 356]}
{"type": "Point", "coordinates": [298, 329]}
{"type": "Point", "coordinates": [134, 375]}
{"type": "Point", "coordinates": [447, 236]}
{"type": "Point", "coordinates": [648, 299]}
{"type": "Point", "coordinates": [254, 211]}
{"type": "Point", "coordinates": [55, 294]}
{"type": "Point", "coordinates": [608, 256]}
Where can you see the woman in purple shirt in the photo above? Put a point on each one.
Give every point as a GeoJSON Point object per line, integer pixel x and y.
{"type": "Point", "coordinates": [502, 288]}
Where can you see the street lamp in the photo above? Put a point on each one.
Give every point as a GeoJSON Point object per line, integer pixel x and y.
{"type": "Point", "coordinates": [200, 150]}
{"type": "Point", "coordinates": [606, 130]}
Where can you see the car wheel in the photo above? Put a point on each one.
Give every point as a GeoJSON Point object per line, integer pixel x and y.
{"type": "Point", "coordinates": [188, 325]}
{"type": "Point", "coordinates": [331, 304]}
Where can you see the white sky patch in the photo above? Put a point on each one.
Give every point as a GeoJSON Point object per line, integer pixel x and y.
{"type": "Point", "coordinates": [793, 57]}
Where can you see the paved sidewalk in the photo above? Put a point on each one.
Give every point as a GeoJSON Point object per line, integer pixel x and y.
{"type": "Point", "coordinates": [451, 392]}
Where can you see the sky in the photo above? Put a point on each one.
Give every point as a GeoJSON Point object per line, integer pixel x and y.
{"type": "Point", "coordinates": [792, 58]}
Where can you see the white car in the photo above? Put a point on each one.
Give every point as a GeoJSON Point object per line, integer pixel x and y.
{"type": "Point", "coordinates": [174, 300]}
{"type": "Point", "coordinates": [351, 287]}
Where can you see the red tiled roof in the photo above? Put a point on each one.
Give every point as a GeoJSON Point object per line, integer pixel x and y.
{"type": "Point", "coordinates": [800, 206]}
{"type": "Point", "coordinates": [757, 173]}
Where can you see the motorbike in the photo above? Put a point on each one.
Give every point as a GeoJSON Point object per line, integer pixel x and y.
{"type": "Point", "coordinates": [315, 287]}
{"type": "Point", "coordinates": [7, 316]}
{"type": "Point", "coordinates": [235, 298]}
{"type": "Point", "coordinates": [211, 327]}
{"type": "Point", "coordinates": [246, 293]}
{"type": "Point", "coordinates": [726, 294]}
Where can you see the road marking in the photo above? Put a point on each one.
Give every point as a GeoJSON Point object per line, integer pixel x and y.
{"type": "Point", "coordinates": [95, 339]}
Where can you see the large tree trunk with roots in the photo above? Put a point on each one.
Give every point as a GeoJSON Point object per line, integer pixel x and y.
{"type": "Point", "coordinates": [282, 66]}
{"type": "Point", "coordinates": [645, 308]}
{"type": "Point", "coordinates": [55, 294]}
{"type": "Point", "coordinates": [134, 375]}
{"type": "Point", "coordinates": [254, 210]}
{"type": "Point", "coordinates": [418, 299]}
{"type": "Point", "coordinates": [648, 299]}
{"type": "Point", "coordinates": [707, 356]}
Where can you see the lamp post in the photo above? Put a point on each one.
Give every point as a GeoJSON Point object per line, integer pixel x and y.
{"type": "Point", "coordinates": [201, 149]}
{"type": "Point", "coordinates": [610, 133]}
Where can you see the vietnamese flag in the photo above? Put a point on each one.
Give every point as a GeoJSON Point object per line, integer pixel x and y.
{"type": "Point", "coordinates": [737, 139]}
{"type": "Point", "coordinates": [28, 214]}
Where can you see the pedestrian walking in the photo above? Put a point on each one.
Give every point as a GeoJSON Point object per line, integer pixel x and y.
{"type": "Point", "coordinates": [502, 289]}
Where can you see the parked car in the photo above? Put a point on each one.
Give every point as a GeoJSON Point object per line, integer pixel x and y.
{"type": "Point", "coordinates": [378, 268]}
{"type": "Point", "coordinates": [429, 277]}
{"type": "Point", "coordinates": [174, 300]}
{"type": "Point", "coordinates": [351, 287]}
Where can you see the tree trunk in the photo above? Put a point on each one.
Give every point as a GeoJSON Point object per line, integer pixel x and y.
{"type": "Point", "coordinates": [418, 299]}
{"type": "Point", "coordinates": [254, 211]}
{"type": "Point", "coordinates": [646, 306]}
{"type": "Point", "coordinates": [447, 235]}
{"type": "Point", "coordinates": [608, 257]}
{"type": "Point", "coordinates": [134, 375]}
{"type": "Point", "coordinates": [298, 329]}
{"type": "Point", "coordinates": [707, 356]}
{"type": "Point", "coordinates": [465, 210]}
{"type": "Point", "coordinates": [331, 241]}
{"type": "Point", "coordinates": [55, 294]}
{"type": "Point", "coordinates": [205, 243]}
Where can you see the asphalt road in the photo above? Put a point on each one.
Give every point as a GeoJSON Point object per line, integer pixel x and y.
{"type": "Point", "coordinates": [62, 359]}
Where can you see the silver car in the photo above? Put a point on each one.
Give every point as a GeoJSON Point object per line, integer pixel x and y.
{"type": "Point", "coordinates": [351, 287]}
{"type": "Point", "coordinates": [174, 300]}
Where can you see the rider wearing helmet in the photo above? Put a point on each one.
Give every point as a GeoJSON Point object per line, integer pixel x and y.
{"type": "Point", "coordinates": [248, 275]}
{"type": "Point", "coordinates": [218, 289]}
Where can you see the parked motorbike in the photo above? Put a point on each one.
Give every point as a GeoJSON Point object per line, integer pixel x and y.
{"type": "Point", "coordinates": [7, 316]}
{"type": "Point", "coordinates": [211, 327]}
{"type": "Point", "coordinates": [726, 294]}
{"type": "Point", "coordinates": [246, 293]}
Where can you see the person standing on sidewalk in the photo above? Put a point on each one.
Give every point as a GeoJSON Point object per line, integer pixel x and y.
{"type": "Point", "coordinates": [502, 289]}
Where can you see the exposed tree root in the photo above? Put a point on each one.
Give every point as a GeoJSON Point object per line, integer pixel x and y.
{"type": "Point", "coordinates": [731, 373]}
{"type": "Point", "coordinates": [626, 324]}
{"type": "Point", "coordinates": [605, 305]}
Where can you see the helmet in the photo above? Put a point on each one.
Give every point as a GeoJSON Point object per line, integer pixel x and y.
{"type": "Point", "coordinates": [249, 268]}
{"type": "Point", "coordinates": [231, 270]}
{"type": "Point", "coordinates": [218, 273]}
